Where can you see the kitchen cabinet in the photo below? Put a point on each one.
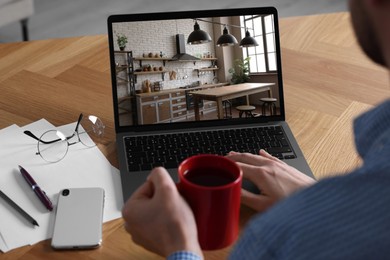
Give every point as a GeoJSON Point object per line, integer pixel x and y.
{"type": "Point", "coordinates": [170, 105]}
{"type": "Point", "coordinates": [162, 107]}
{"type": "Point", "coordinates": [154, 108]}
{"type": "Point", "coordinates": [178, 105]}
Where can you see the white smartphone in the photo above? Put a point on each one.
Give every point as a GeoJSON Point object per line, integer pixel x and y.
{"type": "Point", "coordinates": [79, 219]}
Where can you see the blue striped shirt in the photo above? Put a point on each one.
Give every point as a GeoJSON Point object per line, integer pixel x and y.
{"type": "Point", "coordinates": [183, 255]}
{"type": "Point", "coordinates": [344, 217]}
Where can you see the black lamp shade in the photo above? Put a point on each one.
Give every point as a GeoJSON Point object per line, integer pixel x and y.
{"type": "Point", "coordinates": [226, 39]}
{"type": "Point", "coordinates": [198, 36]}
{"type": "Point", "coordinates": [248, 41]}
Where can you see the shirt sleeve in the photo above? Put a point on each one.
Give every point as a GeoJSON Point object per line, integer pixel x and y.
{"type": "Point", "coordinates": [184, 255]}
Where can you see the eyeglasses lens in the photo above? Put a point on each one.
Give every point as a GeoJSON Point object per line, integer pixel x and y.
{"type": "Point", "coordinates": [55, 148]}
{"type": "Point", "coordinates": [91, 131]}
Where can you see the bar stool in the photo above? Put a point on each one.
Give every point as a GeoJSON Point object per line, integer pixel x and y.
{"type": "Point", "coordinates": [227, 105]}
{"type": "Point", "coordinates": [268, 105]}
{"type": "Point", "coordinates": [247, 109]}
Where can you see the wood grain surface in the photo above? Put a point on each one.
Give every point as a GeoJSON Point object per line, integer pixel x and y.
{"type": "Point", "coordinates": [328, 82]}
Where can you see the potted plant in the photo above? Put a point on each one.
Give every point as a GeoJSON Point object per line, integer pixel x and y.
{"type": "Point", "coordinates": [121, 40]}
{"type": "Point", "coordinates": [240, 72]}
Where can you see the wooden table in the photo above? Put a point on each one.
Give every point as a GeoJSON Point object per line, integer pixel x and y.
{"type": "Point", "coordinates": [327, 80]}
{"type": "Point", "coordinates": [228, 92]}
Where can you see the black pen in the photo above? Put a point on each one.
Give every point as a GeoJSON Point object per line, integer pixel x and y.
{"type": "Point", "coordinates": [18, 209]}
{"type": "Point", "coordinates": [37, 190]}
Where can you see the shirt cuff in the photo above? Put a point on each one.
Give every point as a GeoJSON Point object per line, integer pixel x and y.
{"type": "Point", "coordinates": [183, 255]}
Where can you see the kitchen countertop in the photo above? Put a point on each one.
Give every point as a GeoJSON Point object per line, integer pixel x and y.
{"type": "Point", "coordinates": [168, 91]}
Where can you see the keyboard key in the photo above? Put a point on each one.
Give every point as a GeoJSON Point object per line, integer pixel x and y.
{"type": "Point", "coordinates": [169, 150]}
{"type": "Point", "coordinates": [275, 150]}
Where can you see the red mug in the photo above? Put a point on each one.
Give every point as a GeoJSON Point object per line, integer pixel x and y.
{"type": "Point", "coordinates": [211, 185]}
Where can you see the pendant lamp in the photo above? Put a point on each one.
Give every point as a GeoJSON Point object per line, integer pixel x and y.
{"type": "Point", "coordinates": [226, 39]}
{"type": "Point", "coordinates": [198, 36]}
{"type": "Point", "coordinates": [248, 41]}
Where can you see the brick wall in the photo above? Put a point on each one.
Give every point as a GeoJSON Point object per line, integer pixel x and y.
{"type": "Point", "coordinates": [160, 36]}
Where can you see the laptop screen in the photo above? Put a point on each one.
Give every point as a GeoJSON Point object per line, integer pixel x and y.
{"type": "Point", "coordinates": [205, 68]}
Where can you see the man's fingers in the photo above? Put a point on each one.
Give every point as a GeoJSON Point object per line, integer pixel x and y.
{"type": "Point", "coordinates": [248, 158]}
{"type": "Point", "coordinates": [159, 174]}
{"type": "Point", "coordinates": [155, 180]}
{"type": "Point", "coordinates": [160, 179]}
{"type": "Point", "coordinates": [253, 173]}
{"type": "Point", "coordinates": [255, 201]}
{"type": "Point", "coordinates": [265, 154]}
{"type": "Point", "coordinates": [146, 190]}
{"type": "Point", "coordinates": [162, 182]}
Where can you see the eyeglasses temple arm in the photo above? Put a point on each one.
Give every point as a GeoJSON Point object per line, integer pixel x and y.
{"type": "Point", "coordinates": [27, 132]}
{"type": "Point", "coordinates": [78, 122]}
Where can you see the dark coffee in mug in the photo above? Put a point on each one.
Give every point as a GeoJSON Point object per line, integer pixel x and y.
{"type": "Point", "coordinates": [209, 176]}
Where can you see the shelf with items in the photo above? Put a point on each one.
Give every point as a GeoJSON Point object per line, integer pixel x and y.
{"type": "Point", "coordinates": [212, 60]}
{"type": "Point", "coordinates": [140, 60]}
{"type": "Point", "coordinates": [123, 52]}
{"type": "Point", "coordinates": [204, 70]}
{"type": "Point", "coordinates": [164, 60]}
{"type": "Point", "coordinates": [121, 79]}
{"type": "Point", "coordinates": [123, 105]}
{"type": "Point", "coordinates": [122, 68]}
{"type": "Point", "coordinates": [126, 104]}
{"type": "Point", "coordinates": [209, 59]}
{"type": "Point", "coordinates": [162, 72]}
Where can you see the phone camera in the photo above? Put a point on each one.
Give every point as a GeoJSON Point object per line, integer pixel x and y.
{"type": "Point", "coordinates": [65, 192]}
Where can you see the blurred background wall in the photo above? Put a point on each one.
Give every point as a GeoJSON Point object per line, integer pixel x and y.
{"type": "Point", "coordinates": [67, 18]}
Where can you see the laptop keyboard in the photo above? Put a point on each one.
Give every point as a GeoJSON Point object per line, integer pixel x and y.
{"type": "Point", "coordinates": [168, 150]}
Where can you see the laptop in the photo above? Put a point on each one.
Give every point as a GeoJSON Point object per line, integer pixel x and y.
{"type": "Point", "coordinates": [207, 81]}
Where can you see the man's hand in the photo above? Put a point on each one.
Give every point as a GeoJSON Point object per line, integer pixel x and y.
{"type": "Point", "coordinates": [273, 177]}
{"type": "Point", "coordinates": [159, 219]}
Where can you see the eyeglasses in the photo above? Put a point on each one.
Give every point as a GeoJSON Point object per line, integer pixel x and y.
{"type": "Point", "coordinates": [53, 145]}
